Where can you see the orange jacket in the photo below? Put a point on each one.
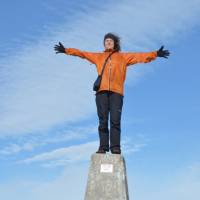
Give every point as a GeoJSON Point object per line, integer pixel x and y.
{"type": "Point", "coordinates": [114, 73]}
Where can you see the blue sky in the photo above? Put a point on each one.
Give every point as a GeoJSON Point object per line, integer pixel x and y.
{"type": "Point", "coordinates": [48, 119]}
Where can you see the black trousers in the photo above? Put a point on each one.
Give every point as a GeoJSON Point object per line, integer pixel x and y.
{"type": "Point", "coordinates": [109, 102]}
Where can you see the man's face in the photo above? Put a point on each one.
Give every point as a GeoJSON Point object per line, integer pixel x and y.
{"type": "Point", "coordinates": [109, 43]}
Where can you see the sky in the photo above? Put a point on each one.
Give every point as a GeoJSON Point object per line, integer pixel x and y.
{"type": "Point", "coordinates": [48, 116]}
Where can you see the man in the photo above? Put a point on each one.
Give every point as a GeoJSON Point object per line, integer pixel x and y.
{"type": "Point", "coordinates": [109, 97]}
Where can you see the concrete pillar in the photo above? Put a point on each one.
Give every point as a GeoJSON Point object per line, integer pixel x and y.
{"type": "Point", "coordinates": [107, 178]}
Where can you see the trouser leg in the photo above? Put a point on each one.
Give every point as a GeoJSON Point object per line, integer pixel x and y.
{"type": "Point", "coordinates": [115, 103]}
{"type": "Point", "coordinates": [102, 103]}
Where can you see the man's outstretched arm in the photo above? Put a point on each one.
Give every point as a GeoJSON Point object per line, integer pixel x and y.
{"type": "Point", "coordinates": [90, 56]}
{"type": "Point", "coordinates": [144, 57]}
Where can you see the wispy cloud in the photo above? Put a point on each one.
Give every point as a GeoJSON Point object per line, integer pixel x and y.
{"type": "Point", "coordinates": [31, 143]}
{"type": "Point", "coordinates": [15, 148]}
{"type": "Point", "coordinates": [40, 90]}
{"type": "Point", "coordinates": [64, 155]}
{"type": "Point", "coordinates": [78, 153]}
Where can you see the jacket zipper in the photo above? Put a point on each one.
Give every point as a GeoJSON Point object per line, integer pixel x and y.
{"type": "Point", "coordinates": [109, 73]}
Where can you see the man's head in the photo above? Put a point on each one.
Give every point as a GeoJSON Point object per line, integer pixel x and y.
{"type": "Point", "coordinates": [112, 41]}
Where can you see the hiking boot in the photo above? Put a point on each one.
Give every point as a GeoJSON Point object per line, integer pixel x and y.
{"type": "Point", "coordinates": [102, 150]}
{"type": "Point", "coordinates": [115, 151]}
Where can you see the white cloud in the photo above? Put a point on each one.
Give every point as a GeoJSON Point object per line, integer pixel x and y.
{"type": "Point", "coordinates": [63, 155]}
{"type": "Point", "coordinates": [15, 148]}
{"type": "Point", "coordinates": [30, 143]}
{"type": "Point", "coordinates": [78, 153]}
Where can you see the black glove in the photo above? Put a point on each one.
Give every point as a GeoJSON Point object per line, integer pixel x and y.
{"type": "Point", "coordinates": [59, 48]}
{"type": "Point", "coordinates": [161, 53]}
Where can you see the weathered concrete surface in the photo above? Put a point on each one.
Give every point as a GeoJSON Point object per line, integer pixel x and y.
{"type": "Point", "coordinates": [107, 178]}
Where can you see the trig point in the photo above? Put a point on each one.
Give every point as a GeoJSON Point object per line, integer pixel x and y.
{"type": "Point", "coordinates": [107, 178]}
